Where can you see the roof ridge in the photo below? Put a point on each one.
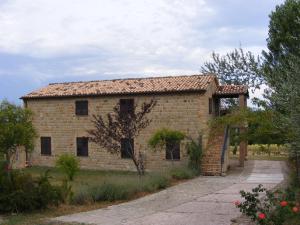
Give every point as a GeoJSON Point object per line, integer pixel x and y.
{"type": "Point", "coordinates": [135, 78]}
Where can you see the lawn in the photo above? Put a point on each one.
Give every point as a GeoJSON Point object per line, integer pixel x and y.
{"type": "Point", "coordinates": [116, 186]}
{"type": "Point", "coordinates": [262, 152]}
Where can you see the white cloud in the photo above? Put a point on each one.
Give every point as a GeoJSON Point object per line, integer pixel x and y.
{"type": "Point", "coordinates": [46, 28]}
{"type": "Point", "coordinates": [76, 38]}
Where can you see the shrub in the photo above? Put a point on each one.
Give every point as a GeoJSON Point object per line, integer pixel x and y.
{"type": "Point", "coordinates": [274, 208]}
{"type": "Point", "coordinates": [182, 173]}
{"type": "Point", "coordinates": [19, 192]}
{"type": "Point", "coordinates": [68, 164]}
{"type": "Point", "coordinates": [154, 182]}
{"type": "Point", "coordinates": [194, 151]}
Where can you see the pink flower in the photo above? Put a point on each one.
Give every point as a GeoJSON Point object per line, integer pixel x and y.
{"type": "Point", "coordinates": [262, 216]}
{"type": "Point", "coordinates": [284, 203]}
{"type": "Point", "coordinates": [237, 203]}
{"type": "Point", "coordinates": [295, 209]}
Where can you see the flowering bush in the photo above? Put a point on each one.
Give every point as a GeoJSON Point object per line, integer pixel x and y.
{"type": "Point", "coordinates": [267, 208]}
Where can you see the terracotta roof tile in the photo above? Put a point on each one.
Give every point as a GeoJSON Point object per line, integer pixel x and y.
{"type": "Point", "coordinates": [232, 90]}
{"type": "Point", "coordinates": [124, 86]}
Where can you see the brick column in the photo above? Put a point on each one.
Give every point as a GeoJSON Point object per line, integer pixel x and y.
{"type": "Point", "coordinates": [243, 144]}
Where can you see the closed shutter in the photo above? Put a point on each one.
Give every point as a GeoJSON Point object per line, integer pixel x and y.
{"type": "Point", "coordinates": [82, 146]}
{"type": "Point", "coordinates": [175, 148]}
{"type": "Point", "coordinates": [46, 145]}
{"type": "Point", "coordinates": [127, 148]}
{"type": "Point", "coordinates": [82, 108]}
{"type": "Point", "coordinates": [126, 106]}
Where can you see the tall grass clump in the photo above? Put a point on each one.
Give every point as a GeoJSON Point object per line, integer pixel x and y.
{"type": "Point", "coordinates": [183, 173]}
{"type": "Point", "coordinates": [120, 189]}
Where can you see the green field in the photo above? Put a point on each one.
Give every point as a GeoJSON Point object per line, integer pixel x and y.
{"type": "Point", "coordinates": [263, 152]}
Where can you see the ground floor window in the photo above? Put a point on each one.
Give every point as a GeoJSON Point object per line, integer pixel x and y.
{"type": "Point", "coordinates": [173, 148]}
{"type": "Point", "coordinates": [46, 145]}
{"type": "Point", "coordinates": [82, 146]}
{"type": "Point", "coordinates": [127, 148]}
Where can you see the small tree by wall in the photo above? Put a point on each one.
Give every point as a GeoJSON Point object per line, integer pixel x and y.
{"type": "Point", "coordinates": [16, 130]}
{"type": "Point", "coordinates": [164, 137]}
{"type": "Point", "coordinates": [118, 126]}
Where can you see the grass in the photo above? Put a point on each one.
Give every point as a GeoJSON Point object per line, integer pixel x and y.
{"type": "Point", "coordinates": [95, 189]}
{"type": "Point", "coordinates": [262, 152]}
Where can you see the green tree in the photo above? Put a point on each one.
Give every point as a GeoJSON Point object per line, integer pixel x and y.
{"type": "Point", "coordinates": [236, 67]}
{"type": "Point", "coordinates": [283, 40]}
{"type": "Point", "coordinates": [281, 71]}
{"type": "Point", "coordinates": [16, 129]}
{"type": "Point", "coordinates": [166, 136]}
{"type": "Point", "coordinates": [262, 127]}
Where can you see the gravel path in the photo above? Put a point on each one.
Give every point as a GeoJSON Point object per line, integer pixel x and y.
{"type": "Point", "coordinates": [201, 201]}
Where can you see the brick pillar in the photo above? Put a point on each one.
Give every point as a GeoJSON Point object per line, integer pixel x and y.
{"type": "Point", "coordinates": [243, 144]}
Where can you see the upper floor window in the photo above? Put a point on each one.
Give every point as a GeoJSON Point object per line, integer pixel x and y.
{"type": "Point", "coordinates": [173, 151]}
{"type": "Point", "coordinates": [46, 145]}
{"type": "Point", "coordinates": [82, 108]}
{"type": "Point", "coordinates": [126, 106]}
{"type": "Point", "coordinates": [82, 146]}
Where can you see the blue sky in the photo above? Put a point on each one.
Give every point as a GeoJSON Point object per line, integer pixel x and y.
{"type": "Point", "coordinates": [46, 41]}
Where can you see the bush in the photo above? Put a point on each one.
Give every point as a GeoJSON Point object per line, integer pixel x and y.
{"type": "Point", "coordinates": [68, 164]}
{"type": "Point", "coordinates": [182, 173]}
{"type": "Point", "coordinates": [274, 209]}
{"type": "Point", "coordinates": [194, 151]}
{"type": "Point", "coordinates": [19, 192]}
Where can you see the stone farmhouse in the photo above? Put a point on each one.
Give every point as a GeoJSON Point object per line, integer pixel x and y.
{"type": "Point", "coordinates": [63, 114]}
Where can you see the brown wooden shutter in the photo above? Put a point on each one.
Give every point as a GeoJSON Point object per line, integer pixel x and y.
{"type": "Point", "coordinates": [127, 148]}
{"type": "Point", "coordinates": [82, 108]}
{"type": "Point", "coordinates": [82, 146]}
{"type": "Point", "coordinates": [126, 106]}
{"type": "Point", "coordinates": [46, 145]}
{"type": "Point", "coordinates": [176, 150]}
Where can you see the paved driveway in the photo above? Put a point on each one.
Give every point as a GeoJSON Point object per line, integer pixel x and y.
{"type": "Point", "coordinates": [201, 201]}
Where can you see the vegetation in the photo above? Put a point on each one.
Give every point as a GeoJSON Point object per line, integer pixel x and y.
{"type": "Point", "coordinates": [236, 67]}
{"type": "Point", "coordinates": [16, 130]}
{"type": "Point", "coordinates": [164, 137]}
{"type": "Point", "coordinates": [119, 125]}
{"type": "Point", "coordinates": [195, 153]}
{"type": "Point", "coordinates": [20, 192]}
{"type": "Point", "coordinates": [274, 209]}
{"type": "Point", "coordinates": [95, 189]}
{"type": "Point", "coordinates": [69, 165]}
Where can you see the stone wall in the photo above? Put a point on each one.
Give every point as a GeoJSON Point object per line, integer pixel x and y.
{"type": "Point", "coordinates": [187, 112]}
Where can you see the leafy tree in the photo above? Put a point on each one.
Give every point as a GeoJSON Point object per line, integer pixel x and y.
{"type": "Point", "coordinates": [281, 71]}
{"type": "Point", "coordinates": [109, 133]}
{"type": "Point", "coordinates": [16, 130]}
{"type": "Point", "coordinates": [166, 136]}
{"type": "Point", "coordinates": [283, 40]}
{"type": "Point", "coordinates": [236, 67]}
{"type": "Point", "coordinates": [262, 127]}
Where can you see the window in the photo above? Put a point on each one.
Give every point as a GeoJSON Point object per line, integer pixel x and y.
{"type": "Point", "coordinates": [46, 145]}
{"type": "Point", "coordinates": [82, 108]}
{"type": "Point", "coordinates": [210, 106]}
{"type": "Point", "coordinates": [82, 146]}
{"type": "Point", "coordinates": [127, 148]}
{"type": "Point", "coordinates": [173, 148]}
{"type": "Point", "coordinates": [126, 106]}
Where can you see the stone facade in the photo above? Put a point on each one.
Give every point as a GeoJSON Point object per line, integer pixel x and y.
{"type": "Point", "coordinates": [55, 118]}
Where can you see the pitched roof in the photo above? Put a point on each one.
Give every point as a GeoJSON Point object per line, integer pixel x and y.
{"type": "Point", "coordinates": [125, 86]}
{"type": "Point", "coordinates": [228, 90]}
